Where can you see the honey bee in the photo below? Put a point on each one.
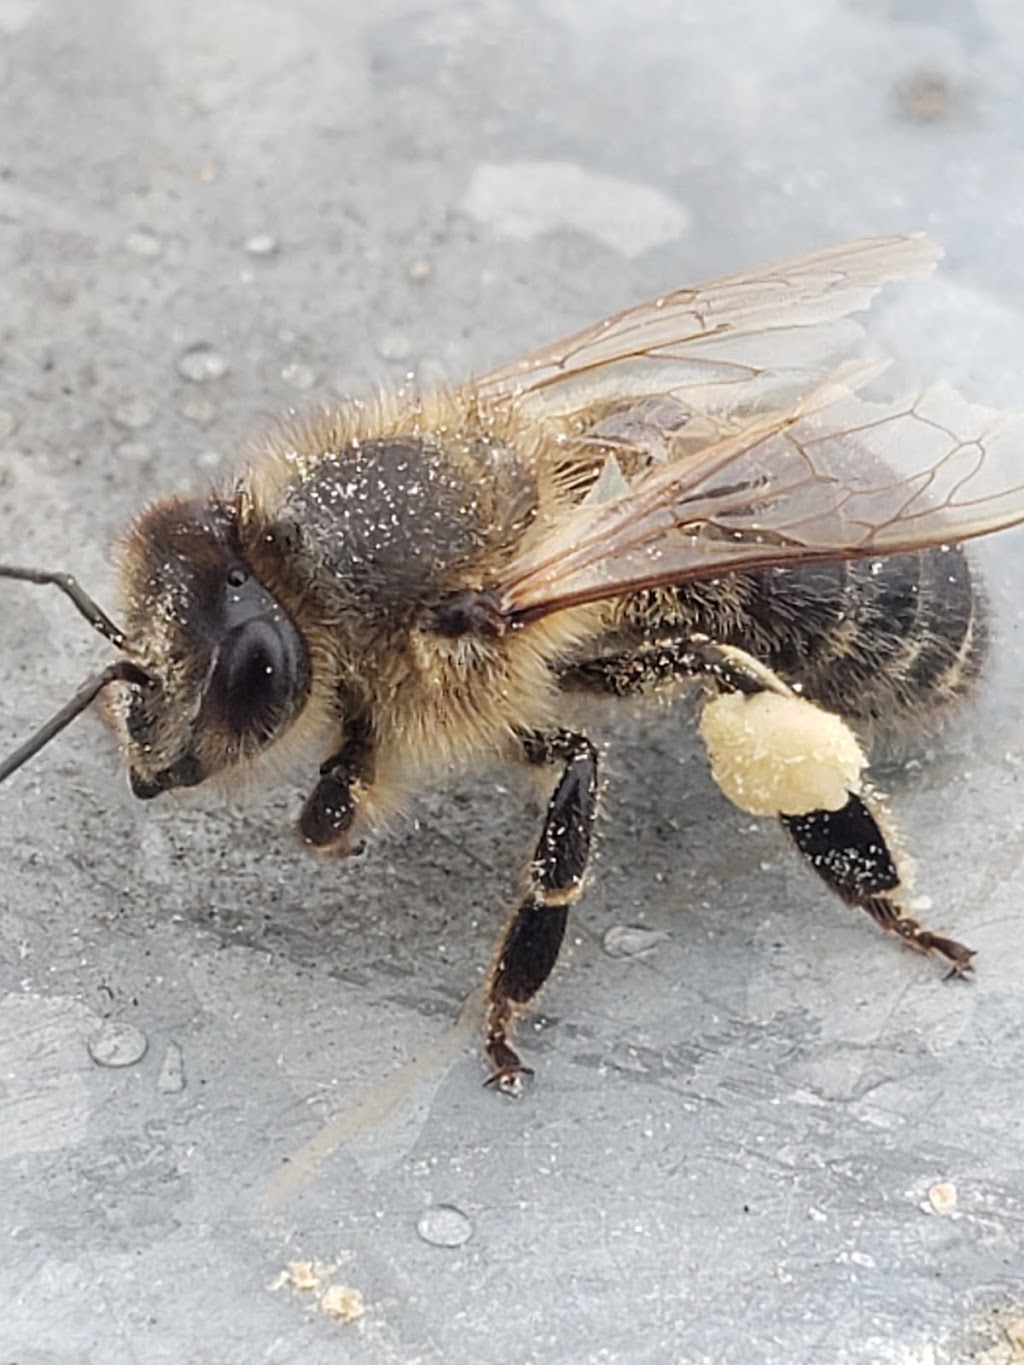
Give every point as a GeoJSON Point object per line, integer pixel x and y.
{"type": "Point", "coordinates": [690, 492]}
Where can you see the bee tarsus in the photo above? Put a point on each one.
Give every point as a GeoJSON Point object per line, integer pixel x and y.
{"type": "Point", "coordinates": [331, 806]}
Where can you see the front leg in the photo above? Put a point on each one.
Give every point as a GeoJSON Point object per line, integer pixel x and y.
{"type": "Point", "coordinates": [533, 935]}
{"type": "Point", "coordinates": [331, 806]}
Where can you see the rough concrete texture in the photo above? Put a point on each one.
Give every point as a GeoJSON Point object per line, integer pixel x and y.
{"type": "Point", "coordinates": [758, 1131]}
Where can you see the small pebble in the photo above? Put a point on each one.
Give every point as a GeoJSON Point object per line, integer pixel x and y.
{"type": "Point", "coordinates": [171, 1080]}
{"type": "Point", "coordinates": [116, 1043]}
{"type": "Point", "coordinates": [631, 940]}
{"type": "Point", "coordinates": [443, 1225]}
{"type": "Point", "coordinates": [201, 363]}
{"type": "Point", "coordinates": [261, 244]}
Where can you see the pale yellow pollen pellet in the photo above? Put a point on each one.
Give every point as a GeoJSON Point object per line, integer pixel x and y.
{"type": "Point", "coordinates": [780, 755]}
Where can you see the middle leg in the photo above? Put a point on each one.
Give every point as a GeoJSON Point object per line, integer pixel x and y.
{"type": "Point", "coordinates": [532, 937]}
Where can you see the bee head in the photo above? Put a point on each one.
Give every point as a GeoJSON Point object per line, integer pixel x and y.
{"type": "Point", "coordinates": [226, 671]}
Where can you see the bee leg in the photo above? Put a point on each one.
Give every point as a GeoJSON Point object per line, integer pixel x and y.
{"type": "Point", "coordinates": [532, 937]}
{"type": "Point", "coordinates": [846, 847]}
{"type": "Point", "coordinates": [330, 808]}
{"type": "Point", "coordinates": [674, 659]}
{"type": "Point", "coordinates": [848, 850]}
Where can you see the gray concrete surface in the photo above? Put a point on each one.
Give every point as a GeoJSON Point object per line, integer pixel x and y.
{"type": "Point", "coordinates": [728, 1153]}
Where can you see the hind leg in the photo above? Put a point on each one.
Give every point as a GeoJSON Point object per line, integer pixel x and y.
{"type": "Point", "coordinates": [790, 759]}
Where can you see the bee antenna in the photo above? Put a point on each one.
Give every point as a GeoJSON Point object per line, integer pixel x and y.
{"type": "Point", "coordinates": [121, 670]}
{"type": "Point", "coordinates": [97, 618]}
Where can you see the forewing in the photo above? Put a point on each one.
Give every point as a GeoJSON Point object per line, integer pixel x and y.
{"type": "Point", "coordinates": [833, 477]}
{"type": "Point", "coordinates": [756, 339]}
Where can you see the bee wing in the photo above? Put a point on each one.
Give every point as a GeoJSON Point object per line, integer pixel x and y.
{"type": "Point", "coordinates": [831, 477]}
{"type": "Point", "coordinates": [758, 338]}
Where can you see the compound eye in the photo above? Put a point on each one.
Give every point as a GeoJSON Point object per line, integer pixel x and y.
{"type": "Point", "coordinates": [257, 676]}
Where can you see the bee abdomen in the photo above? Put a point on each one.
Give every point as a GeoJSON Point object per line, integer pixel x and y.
{"type": "Point", "coordinates": [909, 638]}
{"type": "Point", "coordinates": [889, 641]}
